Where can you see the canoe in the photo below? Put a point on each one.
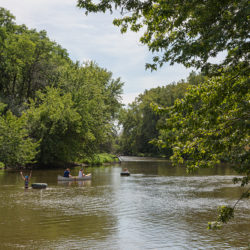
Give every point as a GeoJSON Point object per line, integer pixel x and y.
{"type": "Point", "coordinates": [74, 178]}
{"type": "Point", "coordinates": [125, 174]}
{"type": "Point", "coordinates": [39, 185]}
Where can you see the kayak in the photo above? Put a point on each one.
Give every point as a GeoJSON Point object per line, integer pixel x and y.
{"type": "Point", "coordinates": [125, 174]}
{"type": "Point", "coordinates": [74, 178]}
{"type": "Point", "coordinates": [39, 185]}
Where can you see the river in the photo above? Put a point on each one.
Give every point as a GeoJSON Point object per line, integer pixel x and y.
{"type": "Point", "coordinates": [158, 207]}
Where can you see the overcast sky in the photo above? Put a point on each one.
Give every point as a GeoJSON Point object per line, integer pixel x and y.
{"type": "Point", "coordinates": [95, 38]}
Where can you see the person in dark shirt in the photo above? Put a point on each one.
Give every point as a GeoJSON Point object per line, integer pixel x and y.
{"type": "Point", "coordinates": [67, 173]}
{"type": "Point", "coordinates": [26, 179]}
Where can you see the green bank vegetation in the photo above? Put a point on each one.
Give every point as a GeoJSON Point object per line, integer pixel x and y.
{"type": "Point", "coordinates": [53, 111]}
{"type": "Point", "coordinates": [100, 159]}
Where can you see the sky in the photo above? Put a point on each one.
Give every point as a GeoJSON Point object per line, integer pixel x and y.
{"type": "Point", "coordinates": [95, 38]}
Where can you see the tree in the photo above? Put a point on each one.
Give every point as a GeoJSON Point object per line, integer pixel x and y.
{"type": "Point", "coordinates": [141, 124]}
{"type": "Point", "coordinates": [16, 147]}
{"type": "Point", "coordinates": [211, 124]}
{"type": "Point", "coordinates": [75, 119]}
{"type": "Point", "coordinates": [96, 96]}
{"type": "Point", "coordinates": [29, 61]}
{"type": "Point", "coordinates": [54, 122]}
{"type": "Point", "coordinates": [71, 108]}
{"type": "Point", "coordinates": [187, 32]}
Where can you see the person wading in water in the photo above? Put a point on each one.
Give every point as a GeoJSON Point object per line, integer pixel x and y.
{"type": "Point", "coordinates": [26, 179]}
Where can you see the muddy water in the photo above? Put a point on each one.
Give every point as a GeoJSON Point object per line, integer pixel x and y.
{"type": "Point", "coordinates": [157, 207]}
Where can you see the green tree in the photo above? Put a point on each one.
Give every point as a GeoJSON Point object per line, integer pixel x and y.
{"type": "Point", "coordinates": [211, 123]}
{"type": "Point", "coordinates": [187, 32]}
{"type": "Point", "coordinates": [54, 122]}
{"type": "Point", "coordinates": [141, 124]}
{"type": "Point", "coordinates": [96, 96]}
{"type": "Point", "coordinates": [75, 120]}
{"type": "Point", "coordinates": [16, 147]}
{"type": "Point", "coordinates": [71, 108]}
{"type": "Point", "coordinates": [29, 61]}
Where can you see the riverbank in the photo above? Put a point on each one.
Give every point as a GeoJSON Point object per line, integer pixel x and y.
{"type": "Point", "coordinates": [95, 160]}
{"type": "Point", "coordinates": [100, 159]}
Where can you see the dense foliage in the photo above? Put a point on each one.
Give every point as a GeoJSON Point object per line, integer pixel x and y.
{"type": "Point", "coordinates": [29, 61]}
{"type": "Point", "coordinates": [96, 97]}
{"type": "Point", "coordinates": [211, 123]}
{"type": "Point", "coordinates": [57, 111]}
{"type": "Point", "coordinates": [187, 32]}
{"type": "Point", "coordinates": [141, 124]}
{"type": "Point", "coordinates": [55, 122]}
{"type": "Point", "coordinates": [16, 147]}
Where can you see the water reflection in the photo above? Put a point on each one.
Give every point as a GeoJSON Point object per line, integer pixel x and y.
{"type": "Point", "coordinates": [86, 183]}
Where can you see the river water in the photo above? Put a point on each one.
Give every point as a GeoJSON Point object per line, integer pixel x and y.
{"type": "Point", "coordinates": [157, 207]}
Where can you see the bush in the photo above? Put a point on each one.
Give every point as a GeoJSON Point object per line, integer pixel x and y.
{"type": "Point", "coordinates": [99, 159]}
{"type": "Point", "coordinates": [16, 148]}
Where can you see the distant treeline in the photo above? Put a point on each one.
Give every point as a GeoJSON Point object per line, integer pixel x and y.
{"type": "Point", "coordinates": [52, 110]}
{"type": "Point", "coordinates": [142, 125]}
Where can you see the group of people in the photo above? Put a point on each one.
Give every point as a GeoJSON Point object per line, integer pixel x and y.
{"type": "Point", "coordinates": [68, 175]}
{"type": "Point", "coordinates": [27, 178]}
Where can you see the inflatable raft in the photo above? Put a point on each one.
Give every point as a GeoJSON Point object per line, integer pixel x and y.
{"type": "Point", "coordinates": [74, 178]}
{"type": "Point", "coordinates": [39, 185]}
{"type": "Point", "coordinates": [125, 174]}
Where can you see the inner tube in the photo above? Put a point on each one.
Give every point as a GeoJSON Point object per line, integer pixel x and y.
{"type": "Point", "coordinates": [125, 174]}
{"type": "Point", "coordinates": [39, 185]}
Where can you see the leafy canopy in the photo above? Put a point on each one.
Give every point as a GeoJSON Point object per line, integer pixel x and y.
{"type": "Point", "coordinates": [211, 123]}
{"type": "Point", "coordinates": [71, 108]}
{"type": "Point", "coordinates": [96, 96]}
{"type": "Point", "coordinates": [141, 124]}
{"type": "Point", "coordinates": [55, 122]}
{"type": "Point", "coordinates": [187, 32]}
{"type": "Point", "coordinates": [29, 61]}
{"type": "Point", "coordinates": [16, 147]}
